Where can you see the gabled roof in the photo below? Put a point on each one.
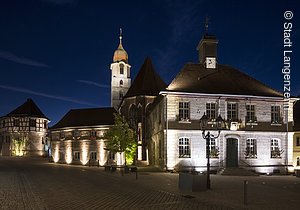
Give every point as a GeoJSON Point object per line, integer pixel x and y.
{"type": "Point", "coordinates": [195, 78]}
{"type": "Point", "coordinates": [28, 109]}
{"type": "Point", "coordinates": [86, 117]}
{"type": "Point", "coordinates": [147, 82]}
{"type": "Point", "coordinates": [296, 114]}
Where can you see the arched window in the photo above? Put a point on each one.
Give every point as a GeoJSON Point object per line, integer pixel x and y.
{"type": "Point", "coordinates": [121, 82]}
{"type": "Point", "coordinates": [121, 68]}
{"type": "Point", "coordinates": [184, 148]}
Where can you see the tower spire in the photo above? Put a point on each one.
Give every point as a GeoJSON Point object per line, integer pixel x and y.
{"type": "Point", "coordinates": [120, 37]}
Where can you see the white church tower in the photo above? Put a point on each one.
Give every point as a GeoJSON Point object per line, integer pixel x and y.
{"type": "Point", "coordinates": [120, 75]}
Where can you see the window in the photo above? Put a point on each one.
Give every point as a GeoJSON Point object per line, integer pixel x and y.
{"type": "Point", "coordinates": [62, 135]}
{"type": "Point", "coordinates": [121, 94]}
{"type": "Point", "coordinates": [298, 161]}
{"type": "Point", "coordinates": [121, 68]}
{"type": "Point", "coordinates": [214, 151]}
{"type": "Point", "coordinates": [128, 72]}
{"type": "Point", "coordinates": [121, 82]}
{"type": "Point", "coordinates": [232, 111]}
{"type": "Point", "coordinates": [184, 148]}
{"type": "Point", "coordinates": [211, 110]}
{"type": "Point", "coordinates": [297, 141]}
{"type": "Point", "coordinates": [76, 155]}
{"type": "Point", "coordinates": [184, 111]}
{"type": "Point", "coordinates": [45, 124]}
{"type": "Point", "coordinates": [275, 114]}
{"type": "Point", "coordinates": [16, 122]}
{"type": "Point", "coordinates": [93, 156]}
{"type": "Point", "coordinates": [76, 133]}
{"type": "Point", "coordinates": [251, 148]}
{"type": "Point", "coordinates": [275, 150]}
{"type": "Point", "coordinates": [250, 116]}
{"type": "Point", "coordinates": [32, 122]}
{"type": "Point", "coordinates": [93, 133]}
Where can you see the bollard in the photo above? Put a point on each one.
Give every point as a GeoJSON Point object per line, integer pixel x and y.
{"type": "Point", "coordinates": [245, 192]}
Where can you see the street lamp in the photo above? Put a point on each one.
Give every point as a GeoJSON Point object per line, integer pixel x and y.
{"type": "Point", "coordinates": [208, 137]}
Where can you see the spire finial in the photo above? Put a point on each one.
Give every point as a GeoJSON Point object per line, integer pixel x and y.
{"type": "Point", "coordinates": [206, 24]}
{"type": "Point", "coordinates": [120, 36]}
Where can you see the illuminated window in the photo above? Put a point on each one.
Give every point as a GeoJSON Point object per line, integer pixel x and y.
{"type": "Point", "coordinates": [275, 114]}
{"type": "Point", "coordinates": [184, 148]}
{"type": "Point", "coordinates": [211, 110]}
{"type": "Point", "coordinates": [275, 149]}
{"type": "Point", "coordinates": [297, 141]}
{"type": "Point", "coordinates": [250, 116]}
{"type": "Point", "coordinates": [76, 155]}
{"type": "Point", "coordinates": [32, 122]}
{"type": "Point", "coordinates": [121, 82]}
{"type": "Point", "coordinates": [232, 111]}
{"type": "Point", "coordinates": [298, 161]}
{"type": "Point", "coordinates": [251, 148]}
{"type": "Point", "coordinates": [184, 111]}
{"type": "Point", "coordinates": [121, 68]}
{"type": "Point", "coordinates": [93, 156]}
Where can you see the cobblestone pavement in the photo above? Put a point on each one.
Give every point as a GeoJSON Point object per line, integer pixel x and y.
{"type": "Point", "coordinates": [35, 184]}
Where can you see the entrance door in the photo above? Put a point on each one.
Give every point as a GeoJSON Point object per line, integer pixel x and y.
{"type": "Point", "coordinates": [232, 153]}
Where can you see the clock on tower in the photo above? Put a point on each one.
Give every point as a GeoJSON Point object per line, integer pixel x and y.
{"type": "Point", "coordinates": [210, 63]}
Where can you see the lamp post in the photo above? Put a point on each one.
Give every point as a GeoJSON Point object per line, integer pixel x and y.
{"type": "Point", "coordinates": [208, 137]}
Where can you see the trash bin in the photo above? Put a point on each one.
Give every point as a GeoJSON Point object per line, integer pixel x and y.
{"type": "Point", "coordinates": [191, 182]}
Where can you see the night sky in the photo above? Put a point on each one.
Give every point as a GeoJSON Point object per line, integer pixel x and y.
{"type": "Point", "coordinates": [58, 52]}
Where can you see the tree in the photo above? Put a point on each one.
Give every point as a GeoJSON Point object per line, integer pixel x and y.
{"type": "Point", "coordinates": [120, 138]}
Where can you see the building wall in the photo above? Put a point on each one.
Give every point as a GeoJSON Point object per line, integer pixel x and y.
{"type": "Point", "coordinates": [296, 150]}
{"type": "Point", "coordinates": [263, 131]}
{"type": "Point", "coordinates": [65, 143]}
{"type": "Point", "coordinates": [33, 136]}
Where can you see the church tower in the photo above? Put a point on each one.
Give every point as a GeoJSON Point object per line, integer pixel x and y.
{"type": "Point", "coordinates": [120, 75]}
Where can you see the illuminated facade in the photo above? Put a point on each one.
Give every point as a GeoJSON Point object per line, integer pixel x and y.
{"type": "Point", "coordinates": [296, 142]}
{"type": "Point", "coordinates": [23, 131]}
{"type": "Point", "coordinates": [254, 137]}
{"type": "Point", "coordinates": [78, 137]}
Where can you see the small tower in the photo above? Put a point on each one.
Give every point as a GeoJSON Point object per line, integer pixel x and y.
{"type": "Point", "coordinates": [120, 75]}
{"type": "Point", "coordinates": [207, 49]}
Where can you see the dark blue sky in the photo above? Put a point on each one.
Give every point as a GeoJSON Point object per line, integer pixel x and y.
{"type": "Point", "coordinates": [58, 52]}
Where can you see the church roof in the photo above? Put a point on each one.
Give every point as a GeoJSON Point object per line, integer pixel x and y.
{"type": "Point", "coordinates": [147, 81]}
{"type": "Point", "coordinates": [195, 78]}
{"type": "Point", "coordinates": [86, 117]}
{"type": "Point", "coordinates": [28, 109]}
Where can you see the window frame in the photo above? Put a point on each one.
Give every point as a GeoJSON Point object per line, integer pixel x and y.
{"type": "Point", "coordinates": [211, 112]}
{"type": "Point", "coordinates": [184, 147]}
{"type": "Point", "coordinates": [275, 114]}
{"type": "Point", "coordinates": [121, 68]}
{"type": "Point", "coordinates": [184, 111]}
{"type": "Point", "coordinates": [251, 148]}
{"type": "Point", "coordinates": [92, 156]}
{"type": "Point", "coordinates": [275, 151]}
{"type": "Point", "coordinates": [76, 155]}
{"type": "Point", "coordinates": [231, 111]}
{"type": "Point", "coordinates": [250, 113]}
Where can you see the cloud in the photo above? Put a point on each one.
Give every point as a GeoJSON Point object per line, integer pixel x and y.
{"type": "Point", "coordinates": [93, 83]}
{"type": "Point", "coordinates": [61, 98]}
{"type": "Point", "coordinates": [21, 60]}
